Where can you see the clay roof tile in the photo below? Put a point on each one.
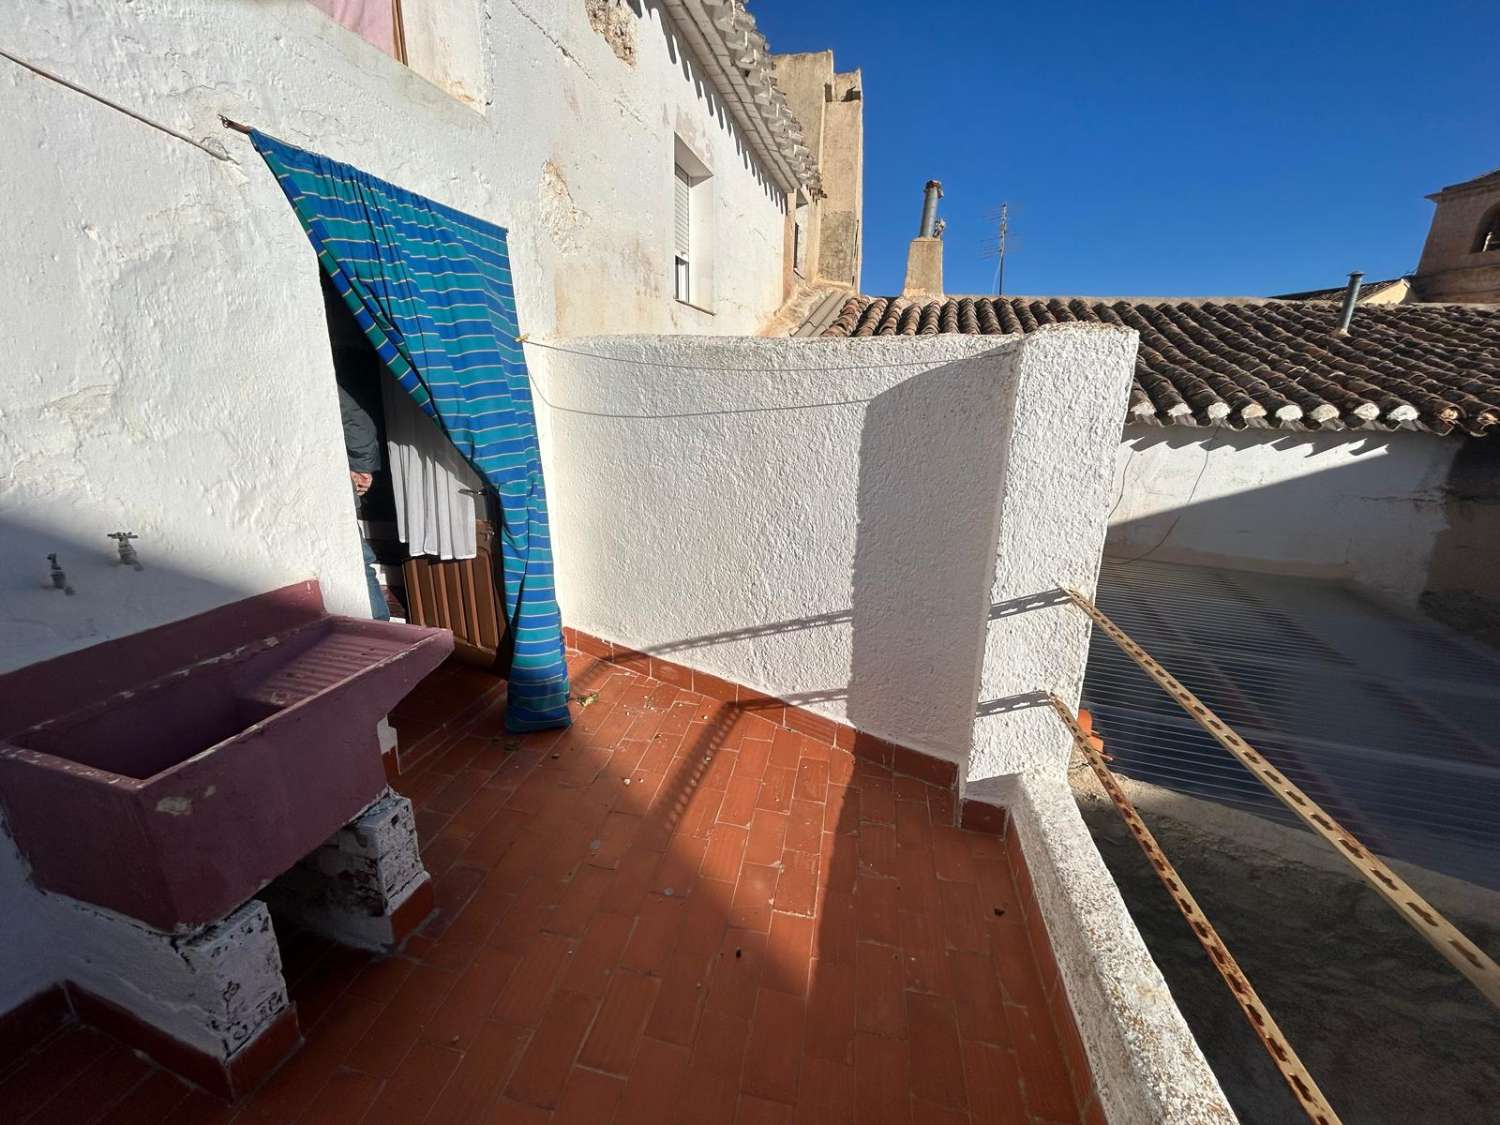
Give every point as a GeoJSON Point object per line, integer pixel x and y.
{"type": "Point", "coordinates": [1254, 362]}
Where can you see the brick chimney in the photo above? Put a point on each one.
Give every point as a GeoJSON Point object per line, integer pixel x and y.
{"type": "Point", "coordinates": [924, 261]}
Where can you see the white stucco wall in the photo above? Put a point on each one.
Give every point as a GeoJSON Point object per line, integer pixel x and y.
{"type": "Point", "coordinates": [819, 519]}
{"type": "Point", "coordinates": [1362, 507]}
{"type": "Point", "coordinates": [167, 367]}
{"type": "Point", "coordinates": [27, 966]}
{"type": "Point", "coordinates": [810, 518]}
{"type": "Point", "coordinates": [1071, 386]}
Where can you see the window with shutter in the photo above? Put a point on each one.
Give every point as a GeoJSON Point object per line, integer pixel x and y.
{"type": "Point", "coordinates": [681, 227]}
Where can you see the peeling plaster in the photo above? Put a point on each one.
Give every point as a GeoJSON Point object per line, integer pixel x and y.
{"type": "Point", "coordinates": [213, 987]}
{"type": "Point", "coordinates": [564, 219]}
{"type": "Point", "coordinates": [616, 23]}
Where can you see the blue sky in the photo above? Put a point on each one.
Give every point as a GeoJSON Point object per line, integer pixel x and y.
{"type": "Point", "coordinates": [1161, 148]}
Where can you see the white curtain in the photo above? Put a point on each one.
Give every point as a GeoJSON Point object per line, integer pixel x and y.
{"type": "Point", "coordinates": [434, 516]}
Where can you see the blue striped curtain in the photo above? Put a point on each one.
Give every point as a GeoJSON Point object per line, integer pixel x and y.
{"type": "Point", "coordinates": [431, 287]}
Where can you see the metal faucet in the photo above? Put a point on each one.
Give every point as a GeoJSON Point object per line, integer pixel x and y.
{"type": "Point", "coordinates": [59, 578]}
{"type": "Point", "coordinates": [127, 552]}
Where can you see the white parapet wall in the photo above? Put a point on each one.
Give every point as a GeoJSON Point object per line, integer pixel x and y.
{"type": "Point", "coordinates": [1052, 513]}
{"type": "Point", "coordinates": [814, 519]}
{"type": "Point", "coordinates": [821, 519]}
{"type": "Point", "coordinates": [1147, 1067]}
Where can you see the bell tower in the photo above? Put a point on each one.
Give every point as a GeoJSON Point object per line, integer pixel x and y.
{"type": "Point", "coordinates": [1461, 259]}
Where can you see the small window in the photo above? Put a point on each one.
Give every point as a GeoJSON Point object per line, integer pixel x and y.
{"type": "Point", "coordinates": [682, 231]}
{"type": "Point", "coordinates": [1488, 238]}
{"type": "Point", "coordinates": [692, 231]}
{"type": "Point", "coordinates": [441, 40]}
{"type": "Point", "coordinates": [376, 21]}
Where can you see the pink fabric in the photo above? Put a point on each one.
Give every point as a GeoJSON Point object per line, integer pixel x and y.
{"type": "Point", "coordinates": [371, 20]}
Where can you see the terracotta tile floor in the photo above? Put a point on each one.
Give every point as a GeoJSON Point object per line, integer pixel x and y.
{"type": "Point", "coordinates": [673, 912]}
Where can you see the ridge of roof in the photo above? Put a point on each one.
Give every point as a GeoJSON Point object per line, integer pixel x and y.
{"type": "Point", "coordinates": [1336, 293]}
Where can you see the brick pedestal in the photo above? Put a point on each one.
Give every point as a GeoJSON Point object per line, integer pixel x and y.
{"type": "Point", "coordinates": [209, 1003]}
{"type": "Point", "coordinates": [365, 886]}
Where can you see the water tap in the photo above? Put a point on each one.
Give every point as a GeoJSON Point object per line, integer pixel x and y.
{"type": "Point", "coordinates": [127, 552]}
{"type": "Point", "coordinates": [59, 577]}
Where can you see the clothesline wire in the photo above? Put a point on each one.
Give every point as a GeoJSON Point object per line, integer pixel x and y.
{"type": "Point", "coordinates": [218, 153]}
{"type": "Point", "coordinates": [523, 338]}
{"type": "Point", "coordinates": [536, 388]}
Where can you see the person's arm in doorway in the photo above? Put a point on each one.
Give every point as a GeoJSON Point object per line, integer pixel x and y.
{"type": "Point", "coordinates": [361, 441]}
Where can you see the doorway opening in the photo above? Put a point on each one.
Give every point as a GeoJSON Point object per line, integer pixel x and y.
{"type": "Point", "coordinates": [426, 516]}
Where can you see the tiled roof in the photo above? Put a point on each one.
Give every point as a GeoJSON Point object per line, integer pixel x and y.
{"type": "Point", "coordinates": [1246, 362]}
{"type": "Point", "coordinates": [1368, 289]}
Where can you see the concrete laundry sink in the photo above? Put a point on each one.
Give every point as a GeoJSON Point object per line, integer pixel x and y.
{"type": "Point", "coordinates": [245, 738]}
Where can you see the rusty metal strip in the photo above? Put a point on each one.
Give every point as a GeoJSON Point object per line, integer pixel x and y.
{"type": "Point", "coordinates": [1302, 1085]}
{"type": "Point", "coordinates": [1446, 938]}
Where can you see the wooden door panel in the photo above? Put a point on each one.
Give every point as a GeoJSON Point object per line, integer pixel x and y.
{"type": "Point", "coordinates": [461, 595]}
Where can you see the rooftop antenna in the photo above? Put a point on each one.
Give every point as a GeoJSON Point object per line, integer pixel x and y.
{"type": "Point", "coordinates": [995, 246]}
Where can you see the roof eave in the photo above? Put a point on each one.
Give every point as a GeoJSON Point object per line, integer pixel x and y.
{"type": "Point", "coordinates": [759, 122]}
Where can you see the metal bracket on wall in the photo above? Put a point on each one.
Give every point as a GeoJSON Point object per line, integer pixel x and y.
{"type": "Point", "coordinates": [1423, 917]}
{"type": "Point", "coordinates": [1303, 1087]}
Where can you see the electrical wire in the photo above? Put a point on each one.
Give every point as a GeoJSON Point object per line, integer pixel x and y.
{"type": "Point", "coordinates": [537, 389]}
{"type": "Point", "coordinates": [523, 338]}
{"type": "Point", "coordinates": [1181, 509]}
{"type": "Point", "coordinates": [213, 148]}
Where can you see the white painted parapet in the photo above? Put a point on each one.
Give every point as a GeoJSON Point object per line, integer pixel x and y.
{"type": "Point", "coordinates": [1059, 440]}
{"type": "Point", "coordinates": [1147, 1067]}
{"type": "Point", "coordinates": [812, 518]}
{"type": "Point", "coordinates": [821, 519]}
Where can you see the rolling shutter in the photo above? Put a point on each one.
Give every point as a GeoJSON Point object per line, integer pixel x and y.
{"type": "Point", "coordinates": [681, 225]}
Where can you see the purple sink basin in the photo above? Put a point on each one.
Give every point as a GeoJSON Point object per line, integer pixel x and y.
{"type": "Point", "coordinates": [176, 798]}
